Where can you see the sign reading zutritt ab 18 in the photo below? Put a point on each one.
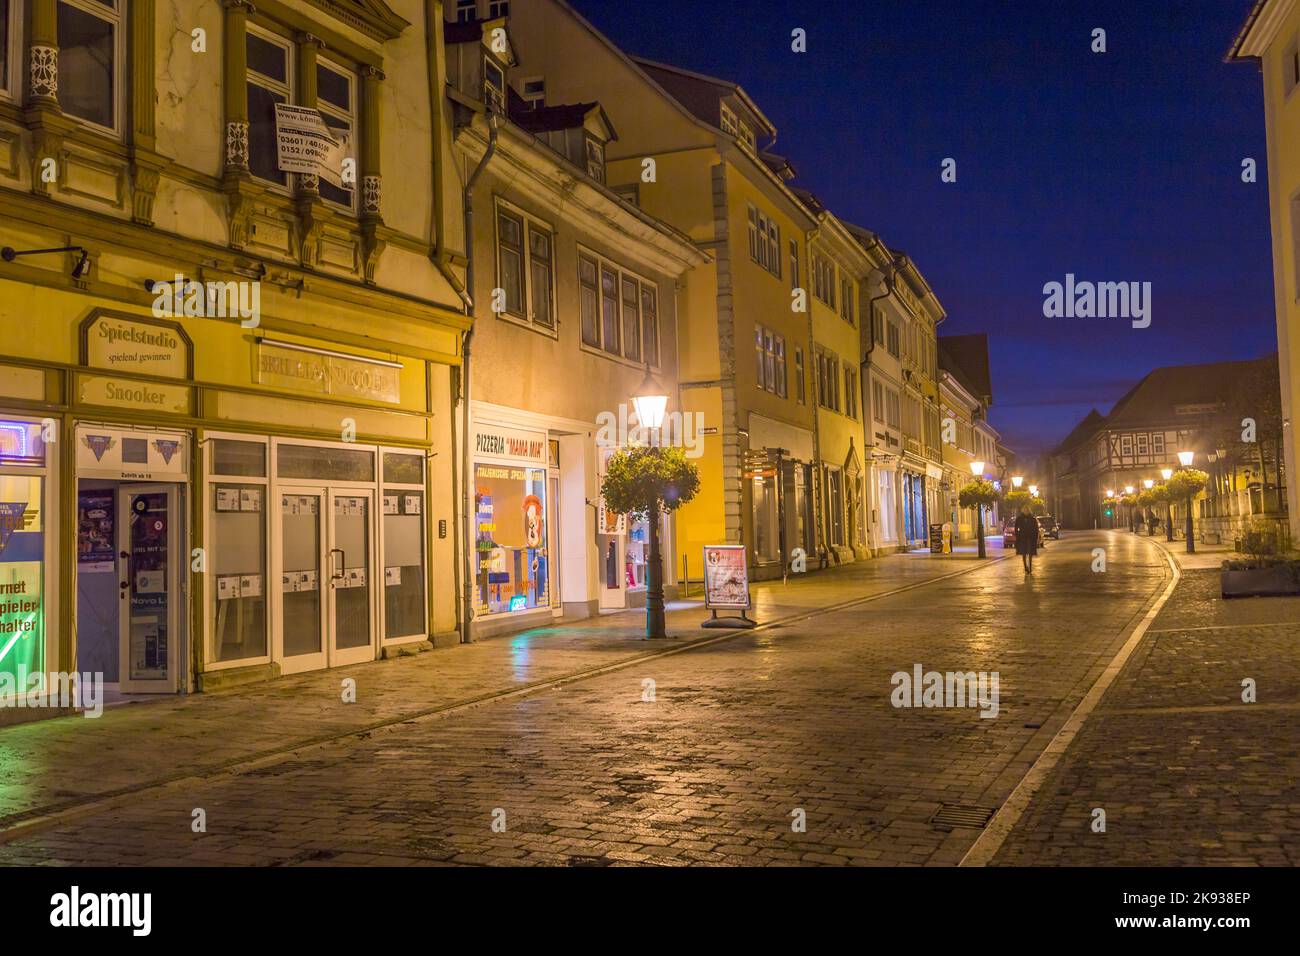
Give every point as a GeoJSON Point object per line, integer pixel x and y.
{"type": "Point", "coordinates": [726, 577]}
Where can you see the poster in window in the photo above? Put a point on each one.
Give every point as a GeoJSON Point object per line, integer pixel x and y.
{"type": "Point", "coordinates": [726, 576]}
{"type": "Point", "coordinates": [534, 524]}
{"type": "Point", "coordinates": [96, 511]}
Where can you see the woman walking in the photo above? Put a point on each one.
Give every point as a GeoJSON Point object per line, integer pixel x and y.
{"type": "Point", "coordinates": [1026, 538]}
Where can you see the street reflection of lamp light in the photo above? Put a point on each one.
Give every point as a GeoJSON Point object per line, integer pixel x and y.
{"type": "Point", "coordinates": [1185, 458]}
{"type": "Point", "coordinates": [1017, 480]}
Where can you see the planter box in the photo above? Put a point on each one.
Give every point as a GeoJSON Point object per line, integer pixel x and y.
{"type": "Point", "coordinates": [1275, 581]}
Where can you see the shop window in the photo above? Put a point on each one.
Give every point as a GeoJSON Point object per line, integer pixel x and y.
{"type": "Point", "coordinates": [245, 459]}
{"type": "Point", "coordinates": [325, 462]}
{"type": "Point", "coordinates": [403, 469]}
{"type": "Point", "coordinates": [238, 571]}
{"type": "Point", "coordinates": [403, 562]}
{"type": "Point", "coordinates": [336, 103]}
{"type": "Point", "coordinates": [269, 82]}
{"type": "Point", "coordinates": [767, 544]}
{"type": "Point", "coordinates": [91, 60]}
{"type": "Point", "coordinates": [513, 570]}
{"type": "Point", "coordinates": [22, 574]}
{"type": "Point", "coordinates": [21, 443]}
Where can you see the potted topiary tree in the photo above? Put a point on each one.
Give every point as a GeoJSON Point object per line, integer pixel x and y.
{"type": "Point", "coordinates": [1146, 501]}
{"type": "Point", "coordinates": [979, 494]}
{"type": "Point", "coordinates": [1184, 485]}
{"type": "Point", "coordinates": [645, 481]}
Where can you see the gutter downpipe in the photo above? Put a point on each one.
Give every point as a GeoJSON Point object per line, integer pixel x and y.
{"type": "Point", "coordinates": [467, 594]}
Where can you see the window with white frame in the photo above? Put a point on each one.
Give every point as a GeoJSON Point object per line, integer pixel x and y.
{"type": "Point", "coordinates": [1126, 445]}
{"type": "Point", "coordinates": [526, 267]}
{"type": "Point", "coordinates": [891, 408]}
{"type": "Point", "coordinates": [466, 10]}
{"type": "Point", "coordinates": [619, 310]}
{"type": "Point", "coordinates": [498, 8]}
{"type": "Point", "coordinates": [494, 86]}
{"type": "Point", "coordinates": [9, 32]}
{"type": "Point", "coordinates": [794, 264]}
{"type": "Point", "coordinates": [533, 92]}
{"type": "Point", "coordinates": [92, 61]}
{"type": "Point", "coordinates": [1143, 444]}
{"type": "Point", "coordinates": [769, 356]}
{"type": "Point", "coordinates": [892, 343]}
{"type": "Point", "coordinates": [846, 299]}
{"type": "Point", "coordinates": [730, 125]}
{"type": "Point", "coordinates": [596, 159]}
{"type": "Point", "coordinates": [877, 401]}
{"type": "Point", "coordinates": [764, 241]}
{"type": "Point", "coordinates": [850, 391]}
{"type": "Point", "coordinates": [828, 380]}
{"type": "Point", "coordinates": [1158, 443]}
{"type": "Point", "coordinates": [800, 378]}
{"type": "Point", "coordinates": [269, 81]}
{"type": "Point", "coordinates": [336, 100]}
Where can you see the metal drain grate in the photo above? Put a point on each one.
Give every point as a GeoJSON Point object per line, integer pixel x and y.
{"type": "Point", "coordinates": [954, 815]}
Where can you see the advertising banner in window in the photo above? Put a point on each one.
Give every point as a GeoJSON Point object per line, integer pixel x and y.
{"type": "Point", "coordinates": [726, 577]}
{"type": "Point", "coordinates": [306, 144]}
{"type": "Point", "coordinates": [22, 598]}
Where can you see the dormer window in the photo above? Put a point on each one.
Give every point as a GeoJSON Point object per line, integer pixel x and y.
{"type": "Point", "coordinates": [595, 160]}
{"type": "Point", "coordinates": [466, 10]}
{"type": "Point", "coordinates": [533, 92]}
{"type": "Point", "coordinates": [730, 125]}
{"type": "Point", "coordinates": [494, 86]}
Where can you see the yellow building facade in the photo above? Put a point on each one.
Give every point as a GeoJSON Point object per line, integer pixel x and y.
{"type": "Point", "coordinates": [1270, 37]}
{"type": "Point", "coordinates": [226, 399]}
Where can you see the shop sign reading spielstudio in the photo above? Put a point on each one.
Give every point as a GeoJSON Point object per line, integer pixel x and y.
{"type": "Point", "coordinates": [328, 373]}
{"type": "Point", "coordinates": [126, 343]}
{"type": "Point", "coordinates": [497, 443]}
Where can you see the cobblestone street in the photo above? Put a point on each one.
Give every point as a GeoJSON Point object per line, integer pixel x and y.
{"type": "Point", "coordinates": [742, 734]}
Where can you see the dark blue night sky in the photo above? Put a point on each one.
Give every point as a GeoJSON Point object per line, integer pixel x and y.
{"type": "Point", "coordinates": [1117, 167]}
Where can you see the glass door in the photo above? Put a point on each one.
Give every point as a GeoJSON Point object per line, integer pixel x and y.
{"type": "Point", "coordinates": [302, 581]}
{"type": "Point", "coordinates": [149, 587]}
{"type": "Point", "coordinates": [351, 577]}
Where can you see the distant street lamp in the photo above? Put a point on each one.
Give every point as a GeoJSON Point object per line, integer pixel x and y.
{"type": "Point", "coordinates": [1166, 474]}
{"type": "Point", "coordinates": [1017, 480]}
{"type": "Point", "coordinates": [977, 470]}
{"type": "Point", "coordinates": [650, 402]}
{"type": "Point", "coordinates": [1185, 459]}
{"type": "Point", "coordinates": [1033, 490]}
{"type": "Point", "coordinates": [1128, 490]}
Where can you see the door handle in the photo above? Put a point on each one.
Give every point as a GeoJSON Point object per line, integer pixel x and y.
{"type": "Point", "coordinates": [336, 571]}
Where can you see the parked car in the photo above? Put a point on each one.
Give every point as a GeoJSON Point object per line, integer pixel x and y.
{"type": "Point", "coordinates": [1009, 534]}
{"type": "Point", "coordinates": [1047, 526]}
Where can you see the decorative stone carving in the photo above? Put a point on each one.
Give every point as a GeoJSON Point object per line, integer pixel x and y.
{"type": "Point", "coordinates": [371, 248]}
{"type": "Point", "coordinates": [237, 145]}
{"type": "Point", "coordinates": [308, 183]}
{"type": "Point", "coordinates": [143, 192]}
{"type": "Point", "coordinates": [45, 71]}
{"type": "Point", "coordinates": [240, 209]}
{"type": "Point", "coordinates": [371, 188]}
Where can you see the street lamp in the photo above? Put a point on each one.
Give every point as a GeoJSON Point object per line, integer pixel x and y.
{"type": "Point", "coordinates": [1033, 490]}
{"type": "Point", "coordinates": [650, 402]}
{"type": "Point", "coordinates": [1017, 480]}
{"type": "Point", "coordinates": [1166, 474]}
{"type": "Point", "coordinates": [977, 470]}
{"type": "Point", "coordinates": [1185, 459]}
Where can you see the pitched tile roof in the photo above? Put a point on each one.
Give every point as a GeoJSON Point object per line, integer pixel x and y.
{"type": "Point", "coordinates": [966, 357]}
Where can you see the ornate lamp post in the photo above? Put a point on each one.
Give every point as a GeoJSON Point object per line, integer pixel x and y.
{"type": "Point", "coordinates": [1185, 459]}
{"type": "Point", "coordinates": [650, 402]}
{"type": "Point", "coordinates": [1110, 493]}
{"type": "Point", "coordinates": [1128, 490]}
{"type": "Point", "coordinates": [1166, 474]}
{"type": "Point", "coordinates": [977, 469]}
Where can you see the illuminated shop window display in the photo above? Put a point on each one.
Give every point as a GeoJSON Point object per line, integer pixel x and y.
{"type": "Point", "coordinates": [22, 554]}
{"type": "Point", "coordinates": [511, 539]}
